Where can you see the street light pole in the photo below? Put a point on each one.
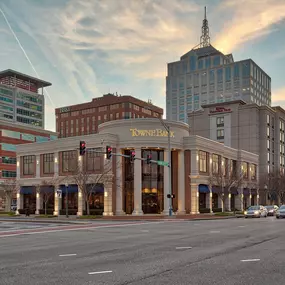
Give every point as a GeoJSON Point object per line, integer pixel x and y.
{"type": "Point", "coordinates": [167, 128]}
{"type": "Point", "coordinates": [66, 200]}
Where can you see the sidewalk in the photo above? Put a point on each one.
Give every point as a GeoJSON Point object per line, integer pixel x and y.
{"type": "Point", "coordinates": [76, 220]}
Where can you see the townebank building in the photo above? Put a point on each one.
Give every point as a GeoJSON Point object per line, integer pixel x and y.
{"type": "Point", "coordinates": [134, 187]}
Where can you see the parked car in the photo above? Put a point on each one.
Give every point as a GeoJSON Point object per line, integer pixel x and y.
{"type": "Point", "coordinates": [255, 212]}
{"type": "Point", "coordinates": [271, 210]}
{"type": "Point", "coordinates": [280, 213]}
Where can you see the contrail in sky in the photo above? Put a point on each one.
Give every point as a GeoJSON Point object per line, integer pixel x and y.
{"type": "Point", "coordinates": [23, 50]}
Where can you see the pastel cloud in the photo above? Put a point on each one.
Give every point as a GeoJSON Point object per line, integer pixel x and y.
{"type": "Point", "coordinates": [87, 47]}
{"type": "Point", "coordinates": [251, 20]}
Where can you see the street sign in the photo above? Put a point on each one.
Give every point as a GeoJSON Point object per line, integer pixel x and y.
{"type": "Point", "coordinates": [59, 193]}
{"type": "Point", "coordinates": [162, 163]}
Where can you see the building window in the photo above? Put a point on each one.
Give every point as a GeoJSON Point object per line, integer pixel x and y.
{"type": "Point", "coordinates": [220, 121]}
{"type": "Point", "coordinates": [253, 172]}
{"type": "Point", "coordinates": [9, 174]}
{"type": "Point", "coordinates": [93, 162]}
{"type": "Point", "coordinates": [69, 160]}
{"type": "Point", "coordinates": [217, 61]}
{"type": "Point", "coordinates": [244, 169]}
{"type": "Point", "coordinates": [48, 166]}
{"type": "Point", "coordinates": [220, 134]}
{"type": "Point", "coordinates": [215, 164]}
{"type": "Point", "coordinates": [102, 109]}
{"type": "Point", "coordinates": [203, 161]}
{"type": "Point", "coordinates": [29, 165]}
{"type": "Point", "coordinates": [9, 160]}
{"type": "Point", "coordinates": [8, 146]}
{"type": "Point", "coordinates": [268, 119]}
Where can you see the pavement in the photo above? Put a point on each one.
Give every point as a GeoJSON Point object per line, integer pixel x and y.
{"type": "Point", "coordinates": [222, 252]}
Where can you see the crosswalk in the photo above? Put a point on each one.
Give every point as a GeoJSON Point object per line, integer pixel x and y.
{"type": "Point", "coordinates": [11, 226]}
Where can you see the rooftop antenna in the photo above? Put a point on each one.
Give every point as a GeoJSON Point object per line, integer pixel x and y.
{"type": "Point", "coordinates": [205, 38]}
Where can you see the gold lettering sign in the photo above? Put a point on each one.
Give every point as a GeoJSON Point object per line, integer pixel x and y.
{"type": "Point", "coordinates": [150, 133]}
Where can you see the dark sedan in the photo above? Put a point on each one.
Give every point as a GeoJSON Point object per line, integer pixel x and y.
{"type": "Point", "coordinates": [271, 210]}
{"type": "Point", "coordinates": [280, 213]}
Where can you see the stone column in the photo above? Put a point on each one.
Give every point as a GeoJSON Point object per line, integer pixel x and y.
{"type": "Point", "coordinates": [39, 200]}
{"type": "Point", "coordinates": [181, 183]}
{"type": "Point", "coordinates": [210, 200]}
{"type": "Point", "coordinates": [194, 188]}
{"type": "Point", "coordinates": [57, 201]}
{"type": "Point", "coordinates": [108, 199]}
{"type": "Point", "coordinates": [20, 198]}
{"type": "Point", "coordinates": [18, 167]}
{"type": "Point", "coordinates": [165, 185]}
{"type": "Point", "coordinates": [239, 200]}
{"type": "Point", "coordinates": [257, 197]}
{"type": "Point", "coordinates": [56, 161]}
{"type": "Point", "coordinates": [119, 186]}
{"type": "Point", "coordinates": [138, 185]}
{"type": "Point", "coordinates": [81, 201]}
{"type": "Point", "coordinates": [38, 166]}
{"type": "Point", "coordinates": [228, 208]}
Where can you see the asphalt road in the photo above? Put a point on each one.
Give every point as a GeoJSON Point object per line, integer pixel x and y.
{"type": "Point", "coordinates": [231, 252]}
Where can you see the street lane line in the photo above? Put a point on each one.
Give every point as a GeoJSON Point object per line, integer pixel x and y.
{"type": "Point", "coordinates": [241, 226]}
{"type": "Point", "coordinates": [70, 254]}
{"type": "Point", "coordinates": [250, 260]}
{"type": "Point", "coordinates": [100, 272]}
{"type": "Point", "coordinates": [78, 229]}
{"type": "Point", "coordinates": [145, 231]}
{"type": "Point", "coordinates": [183, 247]}
{"type": "Point", "coordinates": [215, 232]}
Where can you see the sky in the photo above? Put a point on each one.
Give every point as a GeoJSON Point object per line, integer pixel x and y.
{"type": "Point", "coordinates": [87, 48]}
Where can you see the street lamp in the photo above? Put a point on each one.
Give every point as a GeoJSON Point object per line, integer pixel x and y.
{"type": "Point", "coordinates": [66, 199]}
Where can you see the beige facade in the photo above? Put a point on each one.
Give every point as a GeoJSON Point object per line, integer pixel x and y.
{"type": "Point", "coordinates": [257, 129]}
{"type": "Point", "coordinates": [136, 187]}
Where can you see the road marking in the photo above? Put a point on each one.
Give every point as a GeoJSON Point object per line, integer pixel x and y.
{"type": "Point", "coordinates": [70, 254]}
{"type": "Point", "coordinates": [79, 228]}
{"type": "Point", "coordinates": [183, 247]}
{"type": "Point", "coordinates": [215, 232]}
{"type": "Point", "coordinates": [100, 272]}
{"type": "Point", "coordinates": [241, 226]}
{"type": "Point", "coordinates": [196, 224]}
{"type": "Point", "coordinates": [145, 231]}
{"type": "Point", "coordinates": [250, 260]}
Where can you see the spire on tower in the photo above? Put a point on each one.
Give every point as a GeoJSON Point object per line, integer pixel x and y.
{"type": "Point", "coordinates": [205, 38]}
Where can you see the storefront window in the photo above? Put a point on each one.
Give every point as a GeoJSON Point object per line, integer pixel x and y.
{"type": "Point", "coordinates": [152, 183]}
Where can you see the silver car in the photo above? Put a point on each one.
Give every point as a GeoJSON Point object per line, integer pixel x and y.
{"type": "Point", "coordinates": [280, 213]}
{"type": "Point", "coordinates": [255, 212]}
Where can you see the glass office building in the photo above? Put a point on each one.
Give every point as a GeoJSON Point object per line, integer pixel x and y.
{"type": "Point", "coordinates": [205, 76]}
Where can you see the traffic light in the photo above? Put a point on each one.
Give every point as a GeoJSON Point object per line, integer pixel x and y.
{"type": "Point", "coordinates": [132, 157]}
{"type": "Point", "coordinates": [82, 147]}
{"type": "Point", "coordinates": [148, 159]}
{"type": "Point", "coordinates": [172, 196]}
{"type": "Point", "coordinates": [108, 152]}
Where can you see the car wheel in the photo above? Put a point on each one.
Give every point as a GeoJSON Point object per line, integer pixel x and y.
{"type": "Point", "coordinates": [277, 217]}
{"type": "Point", "coordinates": [245, 217]}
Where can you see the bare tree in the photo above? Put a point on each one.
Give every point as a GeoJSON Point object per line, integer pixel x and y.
{"type": "Point", "coordinates": [224, 179]}
{"type": "Point", "coordinates": [10, 188]}
{"type": "Point", "coordinates": [47, 190]}
{"type": "Point", "coordinates": [272, 186]}
{"type": "Point", "coordinates": [84, 176]}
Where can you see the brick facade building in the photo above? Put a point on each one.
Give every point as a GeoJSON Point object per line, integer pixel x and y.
{"type": "Point", "coordinates": [84, 119]}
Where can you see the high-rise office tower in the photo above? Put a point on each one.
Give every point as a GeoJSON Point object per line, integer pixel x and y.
{"type": "Point", "coordinates": [20, 100]}
{"type": "Point", "coordinates": [205, 75]}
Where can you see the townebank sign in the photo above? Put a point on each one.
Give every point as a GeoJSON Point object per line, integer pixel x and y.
{"type": "Point", "coordinates": [150, 133]}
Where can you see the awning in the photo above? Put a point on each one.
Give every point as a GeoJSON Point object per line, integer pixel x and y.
{"type": "Point", "coordinates": [28, 190]}
{"type": "Point", "coordinates": [47, 189]}
{"type": "Point", "coordinates": [246, 191]}
{"type": "Point", "coordinates": [71, 188]}
{"type": "Point", "coordinates": [203, 188]}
